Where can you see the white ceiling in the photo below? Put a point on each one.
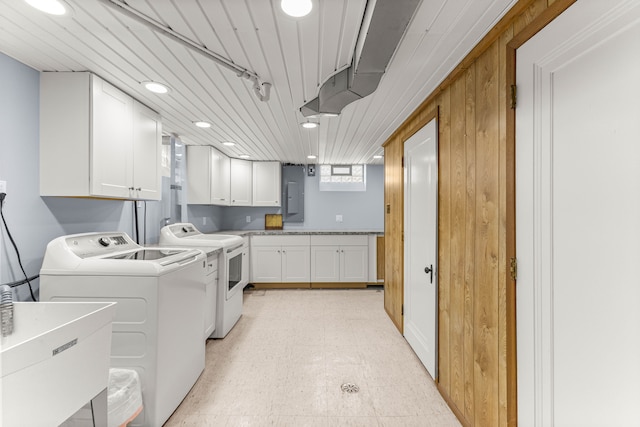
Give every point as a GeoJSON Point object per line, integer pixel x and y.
{"type": "Point", "coordinates": [295, 55]}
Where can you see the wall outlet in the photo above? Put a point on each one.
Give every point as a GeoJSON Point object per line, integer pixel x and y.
{"type": "Point", "coordinates": [338, 218]}
{"type": "Point", "coordinates": [3, 187]}
{"type": "Point", "coordinates": [248, 218]}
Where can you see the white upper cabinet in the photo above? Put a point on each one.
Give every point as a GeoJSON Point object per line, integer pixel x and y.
{"type": "Point", "coordinates": [241, 182]}
{"type": "Point", "coordinates": [199, 174]}
{"type": "Point", "coordinates": [207, 176]}
{"type": "Point", "coordinates": [96, 141]}
{"type": "Point", "coordinates": [220, 178]}
{"type": "Point", "coordinates": [147, 152]}
{"type": "Point", "coordinates": [266, 184]}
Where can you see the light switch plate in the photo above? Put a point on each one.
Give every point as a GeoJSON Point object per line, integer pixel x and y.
{"type": "Point", "coordinates": [3, 187]}
{"type": "Point", "coordinates": [338, 218]}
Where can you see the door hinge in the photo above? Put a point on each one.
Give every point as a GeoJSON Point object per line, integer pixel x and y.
{"type": "Point", "coordinates": [514, 96]}
{"type": "Point", "coordinates": [402, 161]}
{"type": "Point", "coordinates": [402, 310]}
{"type": "Point", "coordinates": [513, 269]}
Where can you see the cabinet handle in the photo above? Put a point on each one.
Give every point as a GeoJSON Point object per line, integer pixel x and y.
{"type": "Point", "coordinates": [131, 188]}
{"type": "Point", "coordinates": [139, 189]}
{"type": "Point", "coordinates": [278, 251]}
{"type": "Point", "coordinates": [284, 252]}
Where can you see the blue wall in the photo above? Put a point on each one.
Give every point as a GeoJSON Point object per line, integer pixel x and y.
{"type": "Point", "coordinates": [33, 220]}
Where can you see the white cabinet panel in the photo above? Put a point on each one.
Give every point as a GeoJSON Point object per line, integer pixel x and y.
{"type": "Point", "coordinates": [220, 178]}
{"type": "Point", "coordinates": [280, 259]}
{"type": "Point", "coordinates": [147, 137]}
{"type": "Point", "coordinates": [347, 261]}
{"type": "Point", "coordinates": [241, 182]}
{"type": "Point", "coordinates": [111, 157]}
{"type": "Point", "coordinates": [199, 174]}
{"type": "Point", "coordinates": [266, 264]}
{"type": "Point", "coordinates": [92, 137]}
{"type": "Point", "coordinates": [266, 183]}
{"type": "Point", "coordinates": [207, 176]}
{"type": "Point", "coordinates": [354, 263]}
{"type": "Point", "coordinates": [325, 264]}
{"type": "Point", "coordinates": [295, 264]}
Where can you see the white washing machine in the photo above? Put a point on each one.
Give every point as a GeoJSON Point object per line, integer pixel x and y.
{"type": "Point", "coordinates": [232, 271]}
{"type": "Point", "coordinates": [157, 328]}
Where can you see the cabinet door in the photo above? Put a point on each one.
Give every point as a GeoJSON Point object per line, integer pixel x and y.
{"type": "Point", "coordinates": [241, 182]}
{"type": "Point", "coordinates": [111, 155]}
{"type": "Point", "coordinates": [147, 141]}
{"type": "Point", "coordinates": [266, 264]}
{"type": "Point", "coordinates": [354, 265]}
{"type": "Point", "coordinates": [220, 169]}
{"type": "Point", "coordinates": [266, 184]}
{"type": "Point", "coordinates": [325, 264]}
{"type": "Point", "coordinates": [199, 174]}
{"type": "Point", "coordinates": [295, 264]}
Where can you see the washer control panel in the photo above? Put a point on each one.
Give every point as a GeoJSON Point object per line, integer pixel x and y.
{"type": "Point", "coordinates": [96, 244]}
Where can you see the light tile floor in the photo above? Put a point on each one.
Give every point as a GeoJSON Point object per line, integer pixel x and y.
{"type": "Point", "coordinates": [284, 362]}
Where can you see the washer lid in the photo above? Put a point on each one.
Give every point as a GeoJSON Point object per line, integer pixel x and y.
{"type": "Point", "coordinates": [159, 254]}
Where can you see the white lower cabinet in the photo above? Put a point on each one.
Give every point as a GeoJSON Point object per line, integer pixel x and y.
{"type": "Point", "coordinates": [280, 259]}
{"type": "Point", "coordinates": [339, 258]}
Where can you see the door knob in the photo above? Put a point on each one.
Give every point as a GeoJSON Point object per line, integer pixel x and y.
{"type": "Point", "coordinates": [429, 271]}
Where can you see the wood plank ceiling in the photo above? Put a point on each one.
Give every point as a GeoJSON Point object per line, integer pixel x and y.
{"type": "Point", "coordinates": [295, 55]}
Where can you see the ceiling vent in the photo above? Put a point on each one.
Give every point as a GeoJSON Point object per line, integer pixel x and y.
{"type": "Point", "coordinates": [383, 26]}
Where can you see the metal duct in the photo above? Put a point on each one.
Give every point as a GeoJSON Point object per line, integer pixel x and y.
{"type": "Point", "coordinates": [383, 26]}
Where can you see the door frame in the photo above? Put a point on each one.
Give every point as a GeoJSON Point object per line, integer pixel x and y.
{"type": "Point", "coordinates": [432, 115]}
{"type": "Point", "coordinates": [530, 30]}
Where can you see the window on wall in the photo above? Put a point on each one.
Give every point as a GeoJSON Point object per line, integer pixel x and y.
{"type": "Point", "coordinates": [343, 178]}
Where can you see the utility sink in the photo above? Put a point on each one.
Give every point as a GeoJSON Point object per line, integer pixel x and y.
{"type": "Point", "coordinates": [56, 360]}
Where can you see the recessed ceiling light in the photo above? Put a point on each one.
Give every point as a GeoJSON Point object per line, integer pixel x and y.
{"type": "Point", "coordinates": [377, 156]}
{"type": "Point", "coordinates": [52, 7]}
{"type": "Point", "coordinates": [311, 156]}
{"type": "Point", "coordinates": [229, 143]}
{"type": "Point", "coordinates": [202, 124]}
{"type": "Point", "coordinates": [296, 8]}
{"type": "Point", "coordinates": [329, 115]}
{"type": "Point", "coordinates": [244, 156]}
{"type": "Point", "coordinates": [156, 87]}
{"type": "Point", "coordinates": [309, 125]}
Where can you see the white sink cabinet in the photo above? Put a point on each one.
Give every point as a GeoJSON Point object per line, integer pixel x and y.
{"type": "Point", "coordinates": [56, 360]}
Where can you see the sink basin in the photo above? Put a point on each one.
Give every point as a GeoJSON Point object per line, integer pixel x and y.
{"type": "Point", "coordinates": [56, 360]}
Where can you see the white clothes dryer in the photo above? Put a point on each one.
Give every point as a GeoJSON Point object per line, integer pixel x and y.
{"type": "Point", "coordinates": [157, 329]}
{"type": "Point", "coordinates": [232, 273]}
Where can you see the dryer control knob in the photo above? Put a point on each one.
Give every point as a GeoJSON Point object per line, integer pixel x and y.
{"type": "Point", "coordinates": [104, 241]}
